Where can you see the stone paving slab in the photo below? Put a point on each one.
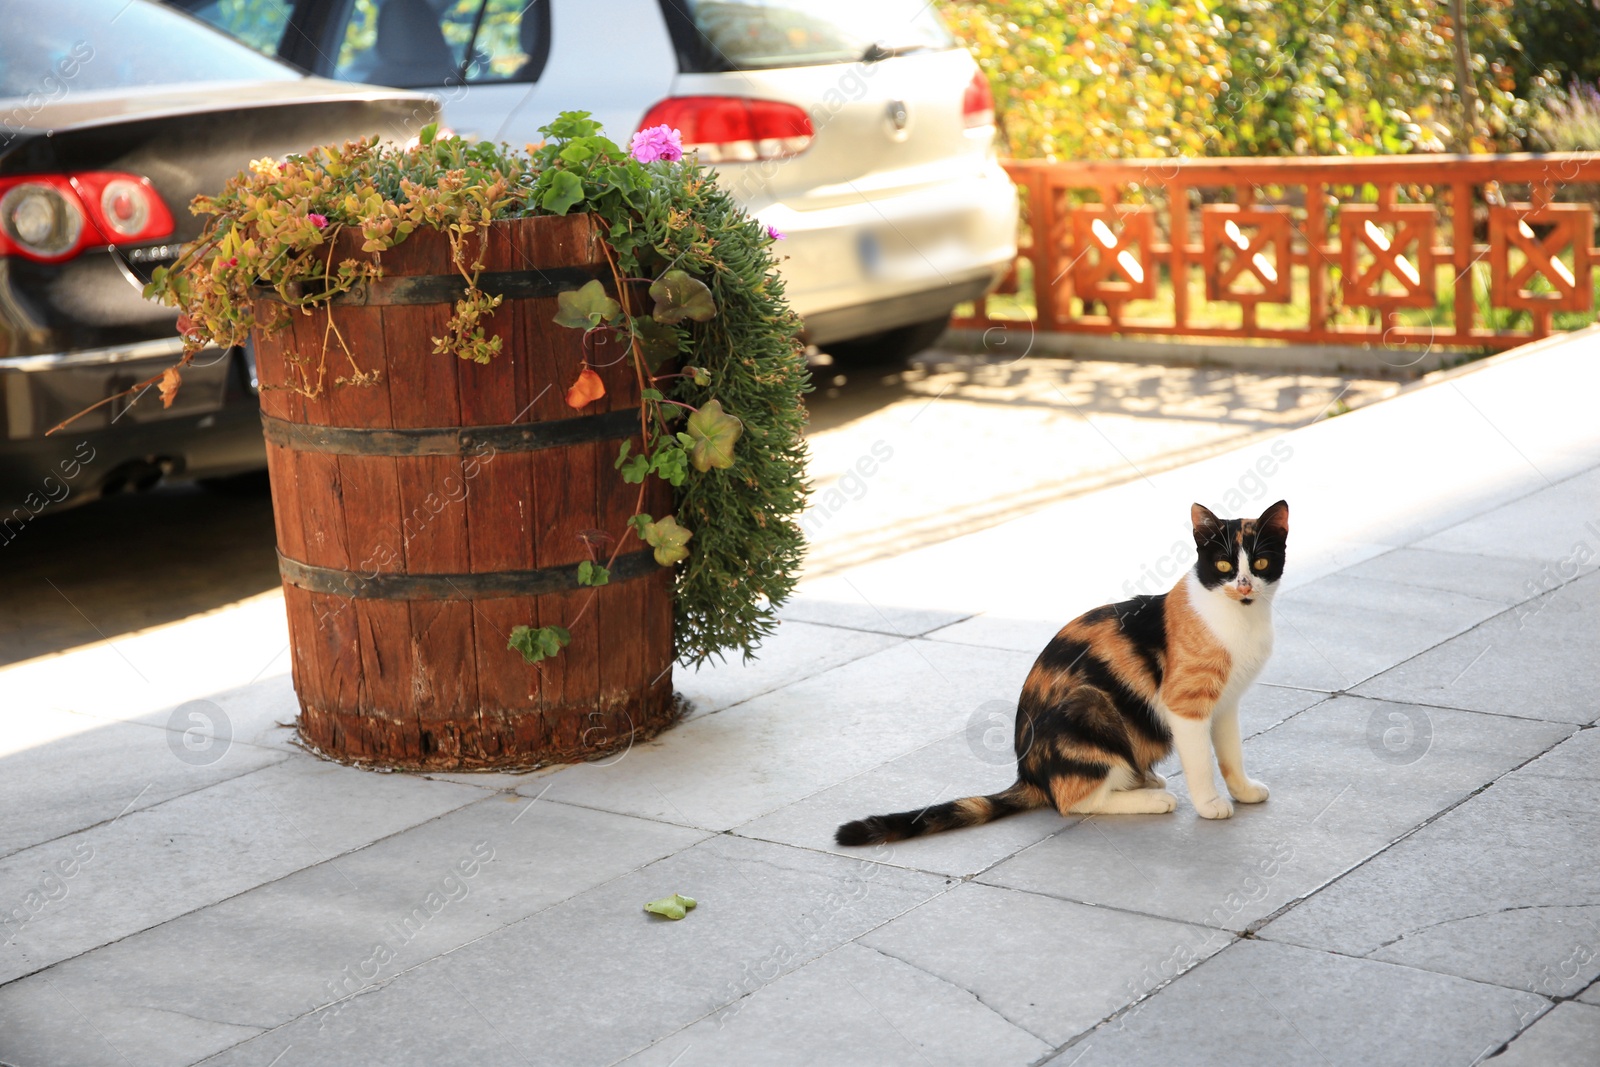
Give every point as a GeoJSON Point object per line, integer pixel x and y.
{"type": "Point", "coordinates": [1566, 1036]}
{"type": "Point", "coordinates": [796, 651]}
{"type": "Point", "coordinates": [720, 771]}
{"type": "Point", "coordinates": [336, 930]}
{"type": "Point", "coordinates": [142, 676]}
{"type": "Point", "coordinates": [1264, 1005]}
{"type": "Point", "coordinates": [595, 978]}
{"type": "Point", "coordinates": [1501, 579]}
{"type": "Point", "coordinates": [1501, 889]}
{"type": "Point", "coordinates": [838, 601]}
{"type": "Point", "coordinates": [1542, 527]}
{"type": "Point", "coordinates": [1026, 956]}
{"type": "Point", "coordinates": [1335, 803]}
{"type": "Point", "coordinates": [852, 1006]}
{"type": "Point", "coordinates": [1324, 630]}
{"type": "Point", "coordinates": [1493, 668]}
{"type": "Point", "coordinates": [944, 770]}
{"type": "Point", "coordinates": [121, 767]}
{"type": "Point", "coordinates": [151, 866]}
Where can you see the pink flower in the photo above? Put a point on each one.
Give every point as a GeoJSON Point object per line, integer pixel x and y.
{"type": "Point", "coordinates": [775, 233]}
{"type": "Point", "coordinates": [319, 221]}
{"type": "Point", "coordinates": [658, 142]}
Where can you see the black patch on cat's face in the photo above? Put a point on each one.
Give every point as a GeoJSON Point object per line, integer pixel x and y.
{"type": "Point", "coordinates": [1268, 539]}
{"type": "Point", "coordinates": [1216, 540]}
{"type": "Point", "coordinates": [1220, 540]}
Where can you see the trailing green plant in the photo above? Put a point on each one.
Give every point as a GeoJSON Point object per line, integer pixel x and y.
{"type": "Point", "coordinates": [725, 432]}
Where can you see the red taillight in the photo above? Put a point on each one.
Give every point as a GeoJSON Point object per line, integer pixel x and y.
{"type": "Point", "coordinates": [734, 129]}
{"type": "Point", "coordinates": [977, 103]}
{"type": "Point", "coordinates": [53, 217]}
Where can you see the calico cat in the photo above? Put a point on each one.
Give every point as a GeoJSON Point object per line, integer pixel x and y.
{"type": "Point", "coordinates": [1119, 687]}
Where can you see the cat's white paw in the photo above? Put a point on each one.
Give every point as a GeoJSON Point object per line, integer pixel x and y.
{"type": "Point", "coordinates": [1214, 808]}
{"type": "Point", "coordinates": [1249, 792]}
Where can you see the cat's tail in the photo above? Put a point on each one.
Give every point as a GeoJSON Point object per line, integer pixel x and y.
{"type": "Point", "coordinates": [968, 811]}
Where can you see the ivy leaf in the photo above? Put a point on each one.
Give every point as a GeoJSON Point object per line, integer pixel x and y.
{"type": "Point", "coordinates": [714, 433]}
{"type": "Point", "coordinates": [657, 340]}
{"type": "Point", "coordinates": [636, 470]}
{"type": "Point", "coordinates": [668, 539]}
{"type": "Point", "coordinates": [585, 308]}
{"type": "Point", "coordinates": [540, 644]}
{"type": "Point", "coordinates": [622, 454]}
{"type": "Point", "coordinates": [564, 193]}
{"type": "Point", "coordinates": [624, 177]}
{"type": "Point", "coordinates": [680, 297]}
{"type": "Point", "coordinates": [639, 522]}
{"type": "Point", "coordinates": [570, 124]}
{"type": "Point", "coordinates": [592, 574]}
{"type": "Point", "coordinates": [699, 375]}
{"type": "Point", "coordinates": [674, 907]}
{"type": "Point", "coordinates": [577, 152]}
{"type": "Point", "coordinates": [586, 390]}
{"type": "Point", "coordinates": [671, 462]}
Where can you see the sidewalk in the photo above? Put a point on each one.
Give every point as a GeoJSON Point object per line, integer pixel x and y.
{"type": "Point", "coordinates": [1422, 888]}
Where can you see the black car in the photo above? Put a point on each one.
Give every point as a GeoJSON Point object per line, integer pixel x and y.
{"type": "Point", "coordinates": [114, 114]}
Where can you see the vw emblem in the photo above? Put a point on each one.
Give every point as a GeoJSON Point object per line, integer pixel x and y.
{"type": "Point", "coordinates": [899, 117]}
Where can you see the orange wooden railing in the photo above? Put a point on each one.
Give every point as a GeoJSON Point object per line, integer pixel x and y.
{"type": "Point", "coordinates": [1398, 250]}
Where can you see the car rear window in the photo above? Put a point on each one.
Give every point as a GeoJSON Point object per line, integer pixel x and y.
{"type": "Point", "coordinates": [428, 43]}
{"type": "Point", "coordinates": [258, 23]}
{"type": "Point", "coordinates": [760, 34]}
{"type": "Point", "coordinates": [53, 48]}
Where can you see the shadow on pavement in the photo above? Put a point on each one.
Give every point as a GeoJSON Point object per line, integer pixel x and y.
{"type": "Point", "coordinates": [131, 562]}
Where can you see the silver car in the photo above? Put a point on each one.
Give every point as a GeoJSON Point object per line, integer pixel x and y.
{"type": "Point", "coordinates": [857, 128]}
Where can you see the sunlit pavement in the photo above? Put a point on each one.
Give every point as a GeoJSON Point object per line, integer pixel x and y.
{"type": "Point", "coordinates": [180, 884]}
{"type": "Point", "coordinates": [959, 443]}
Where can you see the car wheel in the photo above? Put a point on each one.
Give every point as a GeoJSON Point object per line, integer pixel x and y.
{"type": "Point", "coordinates": [890, 346]}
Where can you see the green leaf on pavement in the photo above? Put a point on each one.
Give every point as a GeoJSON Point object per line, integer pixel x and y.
{"type": "Point", "coordinates": [680, 297]}
{"type": "Point", "coordinates": [715, 433]}
{"type": "Point", "coordinates": [585, 308]}
{"type": "Point", "coordinates": [674, 907]}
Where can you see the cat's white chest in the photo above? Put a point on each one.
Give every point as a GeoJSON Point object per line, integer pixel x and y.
{"type": "Point", "coordinates": [1244, 630]}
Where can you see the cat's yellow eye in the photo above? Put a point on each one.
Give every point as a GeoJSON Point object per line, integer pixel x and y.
{"type": "Point", "coordinates": [1261, 564]}
{"type": "Point", "coordinates": [1224, 566]}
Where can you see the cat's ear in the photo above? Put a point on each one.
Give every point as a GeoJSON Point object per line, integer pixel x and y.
{"type": "Point", "coordinates": [1206, 525]}
{"type": "Point", "coordinates": [1275, 520]}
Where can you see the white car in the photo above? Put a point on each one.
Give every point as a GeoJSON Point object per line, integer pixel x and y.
{"type": "Point", "coordinates": [857, 128]}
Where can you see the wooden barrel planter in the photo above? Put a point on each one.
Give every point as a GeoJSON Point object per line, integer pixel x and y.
{"type": "Point", "coordinates": [423, 516]}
